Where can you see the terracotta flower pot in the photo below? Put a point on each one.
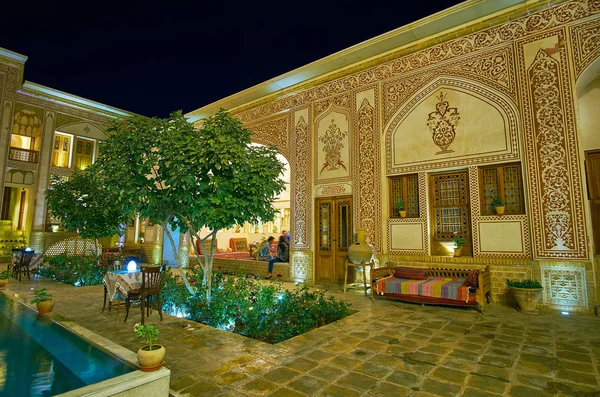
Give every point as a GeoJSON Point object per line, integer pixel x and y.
{"type": "Point", "coordinates": [500, 210]}
{"type": "Point", "coordinates": [3, 283]}
{"type": "Point", "coordinates": [44, 307]}
{"type": "Point", "coordinates": [527, 298]}
{"type": "Point", "coordinates": [151, 360]}
{"type": "Point", "coordinates": [457, 251]}
{"type": "Point", "coordinates": [402, 213]}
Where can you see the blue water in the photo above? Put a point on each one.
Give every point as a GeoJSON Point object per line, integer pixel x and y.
{"type": "Point", "coordinates": [40, 358]}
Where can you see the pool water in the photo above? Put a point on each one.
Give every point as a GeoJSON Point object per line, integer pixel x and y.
{"type": "Point", "coordinates": [40, 358]}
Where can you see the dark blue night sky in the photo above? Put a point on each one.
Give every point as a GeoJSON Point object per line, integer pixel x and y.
{"type": "Point", "coordinates": [152, 58]}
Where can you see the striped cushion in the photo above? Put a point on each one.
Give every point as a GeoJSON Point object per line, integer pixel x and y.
{"type": "Point", "coordinates": [435, 287]}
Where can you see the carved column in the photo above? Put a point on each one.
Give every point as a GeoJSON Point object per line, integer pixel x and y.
{"type": "Point", "coordinates": [45, 159]}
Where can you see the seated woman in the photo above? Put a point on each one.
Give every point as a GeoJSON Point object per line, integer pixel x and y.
{"type": "Point", "coordinates": [264, 254]}
{"type": "Point", "coordinates": [283, 255]}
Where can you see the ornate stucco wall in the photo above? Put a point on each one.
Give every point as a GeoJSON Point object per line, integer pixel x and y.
{"type": "Point", "coordinates": [511, 89]}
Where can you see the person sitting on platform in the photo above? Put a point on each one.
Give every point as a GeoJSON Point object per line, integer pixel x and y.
{"type": "Point", "coordinates": [263, 254]}
{"type": "Point", "coordinates": [283, 255]}
{"type": "Point", "coordinates": [287, 236]}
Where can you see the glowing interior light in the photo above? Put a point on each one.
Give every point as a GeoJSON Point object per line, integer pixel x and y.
{"type": "Point", "coordinates": [131, 266]}
{"type": "Point", "coordinates": [28, 249]}
{"type": "Point", "coordinates": [564, 313]}
{"type": "Point", "coordinates": [280, 297]}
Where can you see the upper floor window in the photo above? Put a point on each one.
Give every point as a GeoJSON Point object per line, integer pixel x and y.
{"type": "Point", "coordinates": [503, 181]}
{"type": "Point", "coordinates": [82, 150]}
{"type": "Point", "coordinates": [404, 190]}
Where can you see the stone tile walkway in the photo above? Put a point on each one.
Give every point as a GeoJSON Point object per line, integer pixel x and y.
{"type": "Point", "coordinates": [387, 348]}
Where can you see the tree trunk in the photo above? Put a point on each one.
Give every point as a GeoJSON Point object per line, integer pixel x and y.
{"type": "Point", "coordinates": [176, 250]}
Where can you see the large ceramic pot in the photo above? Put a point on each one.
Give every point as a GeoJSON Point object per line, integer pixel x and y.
{"type": "Point", "coordinates": [527, 298]}
{"type": "Point", "coordinates": [151, 360]}
{"type": "Point", "coordinates": [360, 251]}
{"type": "Point", "coordinates": [44, 307]}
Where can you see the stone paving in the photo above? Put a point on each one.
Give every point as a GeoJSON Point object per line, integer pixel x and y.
{"type": "Point", "coordinates": [387, 348]}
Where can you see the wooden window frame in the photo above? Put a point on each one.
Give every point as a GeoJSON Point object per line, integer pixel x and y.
{"type": "Point", "coordinates": [404, 179]}
{"type": "Point", "coordinates": [501, 190]}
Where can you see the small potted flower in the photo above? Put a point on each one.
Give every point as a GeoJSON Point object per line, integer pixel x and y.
{"type": "Point", "coordinates": [498, 204]}
{"type": "Point", "coordinates": [458, 243]}
{"type": "Point", "coordinates": [399, 206]}
{"type": "Point", "coordinates": [43, 301]}
{"type": "Point", "coordinates": [4, 276]}
{"type": "Point", "coordinates": [150, 357]}
{"type": "Point", "coordinates": [527, 293]}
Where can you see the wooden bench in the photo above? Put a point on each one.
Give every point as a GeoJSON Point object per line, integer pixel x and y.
{"type": "Point", "coordinates": [478, 296]}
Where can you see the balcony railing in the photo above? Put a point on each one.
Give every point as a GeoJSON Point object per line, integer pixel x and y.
{"type": "Point", "coordinates": [25, 155]}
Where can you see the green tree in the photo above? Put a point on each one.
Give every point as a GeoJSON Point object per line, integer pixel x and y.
{"type": "Point", "coordinates": [191, 178]}
{"type": "Point", "coordinates": [83, 205]}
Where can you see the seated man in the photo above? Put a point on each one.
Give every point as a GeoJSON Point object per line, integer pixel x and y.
{"type": "Point", "coordinates": [264, 254]}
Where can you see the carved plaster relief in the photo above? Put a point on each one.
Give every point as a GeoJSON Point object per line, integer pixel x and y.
{"type": "Point", "coordinates": [274, 131]}
{"type": "Point", "coordinates": [551, 147]}
{"type": "Point", "coordinates": [300, 164]}
{"type": "Point", "coordinates": [333, 145]}
{"type": "Point", "coordinates": [367, 200]}
{"type": "Point", "coordinates": [585, 41]}
{"type": "Point", "coordinates": [564, 286]}
{"type": "Point", "coordinates": [338, 189]}
{"type": "Point", "coordinates": [487, 130]}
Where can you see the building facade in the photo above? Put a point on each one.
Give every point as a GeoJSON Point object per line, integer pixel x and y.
{"type": "Point", "coordinates": [44, 132]}
{"type": "Point", "coordinates": [482, 101]}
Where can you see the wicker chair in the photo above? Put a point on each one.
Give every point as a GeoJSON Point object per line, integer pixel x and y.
{"type": "Point", "coordinates": [151, 283]}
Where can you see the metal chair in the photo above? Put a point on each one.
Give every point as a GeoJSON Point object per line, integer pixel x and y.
{"type": "Point", "coordinates": [22, 265]}
{"type": "Point", "coordinates": [151, 283]}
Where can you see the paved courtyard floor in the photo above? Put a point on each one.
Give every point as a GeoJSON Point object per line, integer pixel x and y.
{"type": "Point", "coordinates": [387, 348]}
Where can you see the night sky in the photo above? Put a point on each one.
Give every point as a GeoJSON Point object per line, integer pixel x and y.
{"type": "Point", "coordinates": [152, 58]}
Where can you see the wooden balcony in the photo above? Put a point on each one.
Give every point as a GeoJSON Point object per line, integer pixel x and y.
{"type": "Point", "coordinates": [24, 155]}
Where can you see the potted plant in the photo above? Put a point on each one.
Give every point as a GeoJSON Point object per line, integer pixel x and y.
{"type": "Point", "coordinates": [399, 206]}
{"type": "Point", "coordinates": [4, 276]}
{"type": "Point", "coordinates": [150, 357]}
{"type": "Point", "coordinates": [498, 205]}
{"type": "Point", "coordinates": [458, 243]}
{"type": "Point", "coordinates": [527, 293]}
{"type": "Point", "coordinates": [43, 301]}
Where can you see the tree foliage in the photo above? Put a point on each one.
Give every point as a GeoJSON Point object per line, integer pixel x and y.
{"type": "Point", "coordinates": [189, 178]}
{"type": "Point", "coordinates": [83, 205]}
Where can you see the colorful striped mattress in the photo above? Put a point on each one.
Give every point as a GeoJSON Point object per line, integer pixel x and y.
{"type": "Point", "coordinates": [434, 287]}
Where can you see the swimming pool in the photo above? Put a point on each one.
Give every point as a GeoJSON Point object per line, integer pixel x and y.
{"type": "Point", "coordinates": [40, 358]}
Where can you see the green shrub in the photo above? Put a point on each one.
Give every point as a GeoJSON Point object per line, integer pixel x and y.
{"type": "Point", "coordinates": [78, 270]}
{"type": "Point", "coordinates": [262, 311]}
{"type": "Point", "coordinates": [523, 283]}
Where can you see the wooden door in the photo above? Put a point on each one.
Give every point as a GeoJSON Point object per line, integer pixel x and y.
{"type": "Point", "coordinates": [592, 166]}
{"type": "Point", "coordinates": [334, 235]}
{"type": "Point", "coordinates": [84, 149]}
{"type": "Point", "coordinates": [450, 212]}
{"type": "Point", "coordinates": [60, 152]}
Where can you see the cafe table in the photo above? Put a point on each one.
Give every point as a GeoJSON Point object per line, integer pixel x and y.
{"type": "Point", "coordinates": [122, 281]}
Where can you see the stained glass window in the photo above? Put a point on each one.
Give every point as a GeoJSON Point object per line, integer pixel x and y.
{"type": "Point", "coordinates": [502, 181]}
{"type": "Point", "coordinates": [405, 188]}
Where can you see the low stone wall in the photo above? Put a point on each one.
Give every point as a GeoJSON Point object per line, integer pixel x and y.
{"type": "Point", "coordinates": [258, 268]}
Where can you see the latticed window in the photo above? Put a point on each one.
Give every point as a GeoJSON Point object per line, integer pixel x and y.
{"type": "Point", "coordinates": [405, 188]}
{"type": "Point", "coordinates": [502, 181]}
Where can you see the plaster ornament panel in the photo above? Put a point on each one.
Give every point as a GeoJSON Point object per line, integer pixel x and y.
{"type": "Point", "coordinates": [61, 171]}
{"type": "Point", "coordinates": [302, 267]}
{"type": "Point", "coordinates": [338, 189]}
{"type": "Point", "coordinates": [552, 149]}
{"type": "Point", "coordinates": [585, 42]}
{"type": "Point", "coordinates": [83, 129]}
{"type": "Point", "coordinates": [442, 123]}
{"type": "Point", "coordinates": [492, 68]}
{"type": "Point", "coordinates": [274, 131]}
{"type": "Point", "coordinates": [300, 165]}
{"type": "Point", "coordinates": [333, 145]}
{"type": "Point", "coordinates": [340, 101]}
{"type": "Point", "coordinates": [564, 286]}
{"type": "Point", "coordinates": [21, 165]}
{"type": "Point", "coordinates": [20, 177]}
{"type": "Point", "coordinates": [480, 248]}
{"type": "Point", "coordinates": [368, 176]}
{"type": "Point", "coordinates": [487, 130]}
{"type": "Point", "coordinates": [557, 15]}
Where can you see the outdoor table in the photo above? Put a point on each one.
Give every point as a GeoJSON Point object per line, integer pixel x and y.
{"type": "Point", "coordinates": [122, 281]}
